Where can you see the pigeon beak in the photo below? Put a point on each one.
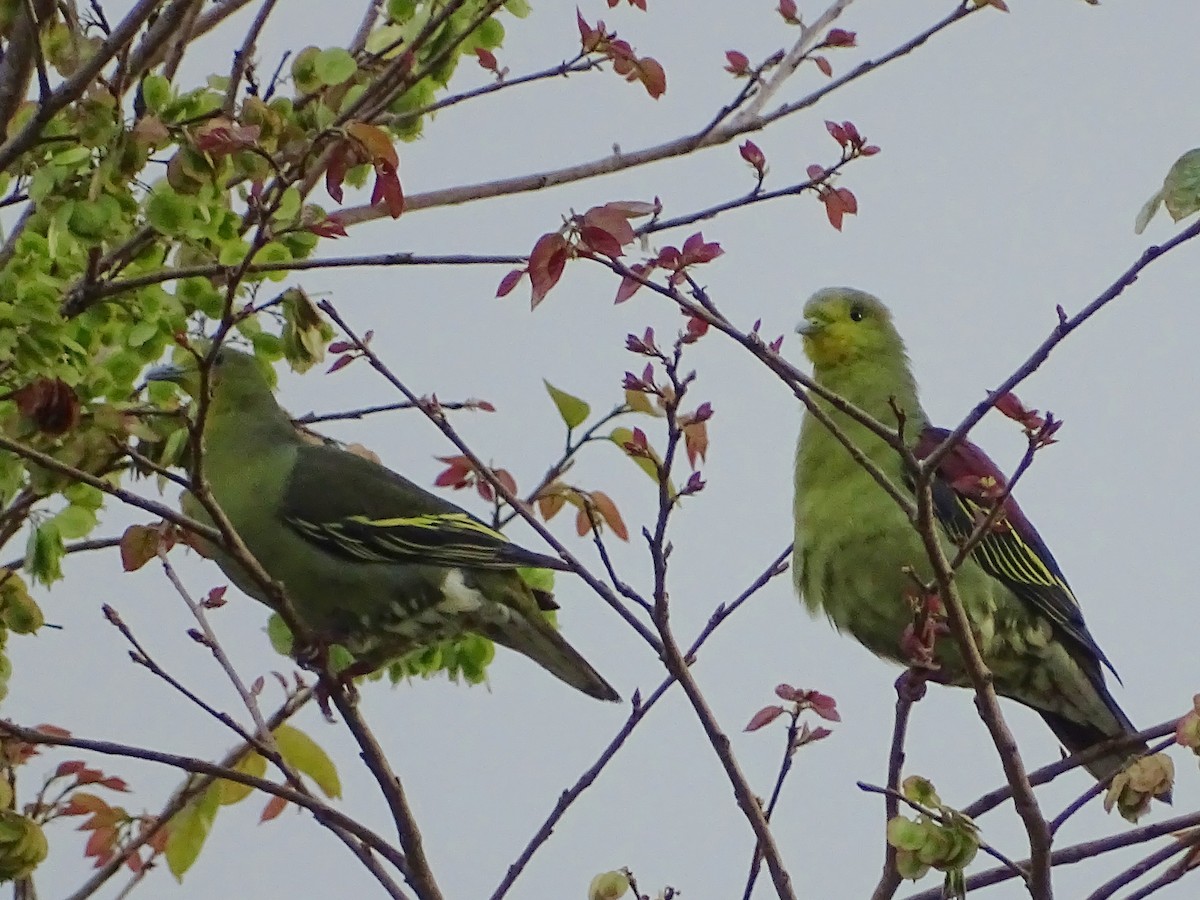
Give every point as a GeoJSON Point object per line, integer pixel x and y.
{"type": "Point", "coordinates": [809, 327]}
{"type": "Point", "coordinates": [167, 372]}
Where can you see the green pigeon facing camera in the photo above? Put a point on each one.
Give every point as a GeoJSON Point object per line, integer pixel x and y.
{"type": "Point", "coordinates": [368, 559]}
{"type": "Point", "coordinates": [853, 542]}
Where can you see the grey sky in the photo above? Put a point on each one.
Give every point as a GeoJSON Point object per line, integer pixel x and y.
{"type": "Point", "coordinates": [1017, 150]}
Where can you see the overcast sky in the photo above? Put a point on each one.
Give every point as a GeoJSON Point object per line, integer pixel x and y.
{"type": "Point", "coordinates": [1016, 152]}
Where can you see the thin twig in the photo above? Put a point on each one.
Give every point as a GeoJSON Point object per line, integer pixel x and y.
{"type": "Point", "coordinates": [323, 812]}
{"type": "Point", "coordinates": [418, 874]}
{"type": "Point", "coordinates": [218, 652]}
{"type": "Point", "coordinates": [1082, 852]}
{"type": "Point", "coordinates": [485, 472]}
{"type": "Point", "coordinates": [637, 713]}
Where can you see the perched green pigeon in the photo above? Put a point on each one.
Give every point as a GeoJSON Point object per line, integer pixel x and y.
{"type": "Point", "coordinates": [368, 559]}
{"type": "Point", "coordinates": [853, 542]}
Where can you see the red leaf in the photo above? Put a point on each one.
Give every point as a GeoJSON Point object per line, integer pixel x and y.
{"type": "Point", "coordinates": [787, 9]}
{"type": "Point", "coordinates": [506, 479]}
{"type": "Point", "coordinates": [274, 807]}
{"type": "Point", "coordinates": [824, 66]}
{"type": "Point", "coordinates": [509, 281]}
{"type": "Point", "coordinates": [1010, 405]}
{"type": "Point", "coordinates": [629, 286]}
{"type": "Point", "coordinates": [839, 37]}
{"type": "Point", "coordinates": [486, 58]}
{"type": "Point", "coordinates": [788, 693]}
{"type": "Point", "coordinates": [815, 172]}
{"type": "Point", "coordinates": [329, 227]}
{"type": "Point", "coordinates": [849, 201]}
{"type": "Point", "coordinates": [753, 155]}
{"type": "Point", "coordinates": [737, 63]}
{"type": "Point", "coordinates": [51, 404]}
{"type": "Point", "coordinates": [696, 250]}
{"type": "Point", "coordinates": [335, 173]}
{"type": "Point", "coordinates": [824, 706]}
{"type": "Point", "coordinates": [546, 263]}
{"type": "Point", "coordinates": [340, 363]}
{"type": "Point", "coordinates": [837, 132]}
{"type": "Point", "coordinates": [216, 598]}
{"type": "Point", "coordinates": [388, 189]}
{"type": "Point", "coordinates": [608, 512]}
{"type": "Point", "coordinates": [614, 219]}
{"type": "Point", "coordinates": [601, 241]}
{"type": "Point", "coordinates": [764, 716]}
{"type": "Point", "coordinates": [652, 76]}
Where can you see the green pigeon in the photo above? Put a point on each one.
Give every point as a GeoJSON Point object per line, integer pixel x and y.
{"type": "Point", "coordinates": [854, 543]}
{"type": "Point", "coordinates": [368, 560]}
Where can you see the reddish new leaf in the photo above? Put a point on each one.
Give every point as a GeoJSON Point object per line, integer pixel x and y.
{"type": "Point", "coordinates": [609, 514]}
{"type": "Point", "coordinates": [509, 281]}
{"type": "Point", "coordinates": [737, 63]}
{"type": "Point", "coordinates": [50, 403]}
{"type": "Point", "coordinates": [546, 263]}
{"type": "Point", "coordinates": [486, 58]}
{"type": "Point", "coordinates": [824, 66]}
{"type": "Point", "coordinates": [629, 285]}
{"type": "Point", "coordinates": [274, 807]}
{"type": "Point", "coordinates": [388, 189]}
{"type": "Point", "coordinates": [601, 241]}
{"type": "Point", "coordinates": [764, 717]}
{"type": "Point", "coordinates": [329, 227]}
{"type": "Point", "coordinates": [839, 37]}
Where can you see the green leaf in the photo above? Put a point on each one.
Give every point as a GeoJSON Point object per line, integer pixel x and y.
{"type": "Point", "coordinates": [44, 553]}
{"type": "Point", "coordinates": [1146, 213]}
{"type": "Point", "coordinates": [188, 830]}
{"type": "Point", "coordinates": [302, 752]}
{"type": "Point", "coordinates": [156, 91]}
{"type": "Point", "coordinates": [401, 10]}
{"type": "Point", "coordinates": [574, 411]}
{"type": "Point", "coordinates": [519, 8]}
{"type": "Point", "coordinates": [142, 331]}
{"type": "Point", "coordinates": [279, 635]}
{"type": "Point", "coordinates": [335, 65]}
{"type": "Point", "coordinates": [1181, 187]}
{"type": "Point", "coordinates": [234, 791]}
{"type": "Point", "coordinates": [75, 521]}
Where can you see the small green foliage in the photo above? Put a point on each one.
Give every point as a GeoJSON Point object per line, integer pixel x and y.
{"type": "Point", "coordinates": [1180, 192]}
{"type": "Point", "coordinates": [306, 333]}
{"type": "Point", "coordinates": [1132, 789]}
{"type": "Point", "coordinates": [44, 552]}
{"type": "Point", "coordinates": [306, 755]}
{"type": "Point", "coordinates": [574, 411]}
{"type": "Point", "coordinates": [609, 885]}
{"type": "Point", "coordinates": [230, 792]}
{"type": "Point", "coordinates": [333, 66]}
{"type": "Point", "coordinates": [189, 829]}
{"type": "Point", "coordinates": [22, 845]}
{"type": "Point", "coordinates": [940, 838]}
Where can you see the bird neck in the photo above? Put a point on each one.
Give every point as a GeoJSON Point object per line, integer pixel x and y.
{"type": "Point", "coordinates": [244, 427]}
{"type": "Point", "coordinates": [878, 388]}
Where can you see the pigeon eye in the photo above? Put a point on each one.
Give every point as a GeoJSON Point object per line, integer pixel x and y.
{"type": "Point", "coordinates": [857, 313]}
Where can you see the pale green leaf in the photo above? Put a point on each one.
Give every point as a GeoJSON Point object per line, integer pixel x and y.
{"type": "Point", "coordinates": [574, 411]}
{"type": "Point", "coordinates": [234, 791]}
{"type": "Point", "coordinates": [335, 65]}
{"type": "Point", "coordinates": [301, 751]}
{"type": "Point", "coordinates": [188, 830]}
